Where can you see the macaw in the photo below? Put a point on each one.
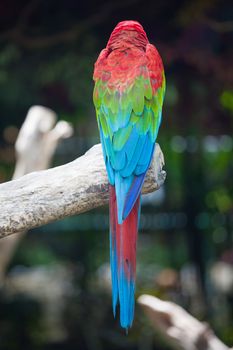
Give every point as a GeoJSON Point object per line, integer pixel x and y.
{"type": "Point", "coordinates": [128, 98]}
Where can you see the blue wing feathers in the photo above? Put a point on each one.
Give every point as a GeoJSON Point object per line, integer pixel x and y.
{"type": "Point", "coordinates": [119, 160]}
{"type": "Point", "coordinates": [110, 171]}
{"type": "Point", "coordinates": [141, 168]}
{"type": "Point", "coordinates": [130, 145]}
{"type": "Point", "coordinates": [131, 164]}
{"type": "Point", "coordinates": [133, 194]}
{"type": "Point", "coordinates": [122, 186]}
{"type": "Point", "coordinates": [127, 164]}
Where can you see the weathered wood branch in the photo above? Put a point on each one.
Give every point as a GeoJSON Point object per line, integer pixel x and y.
{"type": "Point", "coordinates": [42, 197]}
{"type": "Point", "coordinates": [35, 146]}
{"type": "Point", "coordinates": [38, 139]}
{"type": "Point", "coordinates": [178, 327]}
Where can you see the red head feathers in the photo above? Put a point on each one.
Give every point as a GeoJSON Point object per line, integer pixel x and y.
{"type": "Point", "coordinates": [127, 34]}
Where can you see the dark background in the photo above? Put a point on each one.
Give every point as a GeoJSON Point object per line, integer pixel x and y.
{"type": "Point", "coordinates": [47, 53]}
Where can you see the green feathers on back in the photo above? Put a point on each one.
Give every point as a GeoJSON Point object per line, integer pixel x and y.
{"type": "Point", "coordinates": [118, 112]}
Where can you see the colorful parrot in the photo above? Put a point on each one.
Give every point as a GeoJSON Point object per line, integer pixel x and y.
{"type": "Point", "coordinates": [128, 98]}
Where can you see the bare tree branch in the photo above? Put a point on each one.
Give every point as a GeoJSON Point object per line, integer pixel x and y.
{"type": "Point", "coordinates": [41, 197]}
{"type": "Point", "coordinates": [35, 146]}
{"type": "Point", "coordinates": [178, 327]}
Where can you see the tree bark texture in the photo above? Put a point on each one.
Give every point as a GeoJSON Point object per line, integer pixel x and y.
{"type": "Point", "coordinates": [42, 197]}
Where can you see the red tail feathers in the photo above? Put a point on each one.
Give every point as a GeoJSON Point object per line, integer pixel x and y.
{"type": "Point", "coordinates": [123, 242]}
